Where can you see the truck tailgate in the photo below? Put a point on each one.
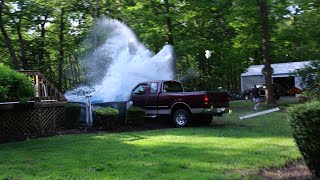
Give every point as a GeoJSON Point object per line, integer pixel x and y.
{"type": "Point", "coordinates": [218, 99]}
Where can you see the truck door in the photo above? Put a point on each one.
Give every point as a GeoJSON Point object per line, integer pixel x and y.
{"type": "Point", "coordinates": [152, 101]}
{"type": "Point", "coordinates": [139, 95]}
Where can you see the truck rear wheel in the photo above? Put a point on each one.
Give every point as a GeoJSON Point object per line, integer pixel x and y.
{"type": "Point", "coordinates": [181, 118]}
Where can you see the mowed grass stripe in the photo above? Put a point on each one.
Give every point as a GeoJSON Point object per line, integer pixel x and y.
{"type": "Point", "coordinates": [221, 150]}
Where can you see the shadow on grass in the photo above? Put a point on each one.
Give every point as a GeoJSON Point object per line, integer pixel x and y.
{"type": "Point", "coordinates": [138, 155]}
{"type": "Point", "coordinates": [217, 151]}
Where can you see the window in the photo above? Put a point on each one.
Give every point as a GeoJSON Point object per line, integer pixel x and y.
{"type": "Point", "coordinates": [172, 86]}
{"type": "Point", "coordinates": [154, 88]}
{"type": "Point", "coordinates": [140, 89]}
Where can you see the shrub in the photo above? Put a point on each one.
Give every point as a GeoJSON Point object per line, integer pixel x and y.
{"type": "Point", "coordinates": [310, 78]}
{"type": "Point", "coordinates": [107, 118]}
{"type": "Point", "coordinates": [72, 116]}
{"type": "Point", "coordinates": [14, 86]}
{"type": "Point", "coordinates": [305, 123]}
{"type": "Point", "coordinates": [310, 95]}
{"type": "Point", "coordinates": [135, 116]}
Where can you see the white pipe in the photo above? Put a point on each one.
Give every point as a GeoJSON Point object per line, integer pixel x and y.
{"type": "Point", "coordinates": [37, 86]}
{"type": "Point", "coordinates": [259, 113]}
{"type": "Point", "coordinates": [88, 111]}
{"type": "Point", "coordinates": [44, 89]}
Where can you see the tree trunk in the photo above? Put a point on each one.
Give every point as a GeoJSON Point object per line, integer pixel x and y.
{"type": "Point", "coordinates": [77, 72]}
{"type": "Point", "coordinates": [61, 50]}
{"type": "Point", "coordinates": [170, 34]}
{"type": "Point", "coordinates": [42, 43]}
{"type": "Point", "coordinates": [265, 47]}
{"type": "Point", "coordinates": [23, 57]}
{"type": "Point", "coordinates": [169, 23]}
{"type": "Point", "coordinates": [73, 82]}
{"type": "Point", "coordinates": [7, 39]}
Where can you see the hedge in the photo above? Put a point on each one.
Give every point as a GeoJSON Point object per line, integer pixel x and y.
{"type": "Point", "coordinates": [305, 123]}
{"type": "Point", "coordinates": [135, 116]}
{"type": "Point", "coordinates": [72, 116]}
{"type": "Point", "coordinates": [107, 118]}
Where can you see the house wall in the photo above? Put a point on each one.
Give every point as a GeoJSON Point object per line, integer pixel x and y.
{"type": "Point", "coordinates": [248, 82]}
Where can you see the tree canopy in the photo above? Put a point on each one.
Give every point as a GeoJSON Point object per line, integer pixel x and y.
{"type": "Point", "coordinates": [50, 35]}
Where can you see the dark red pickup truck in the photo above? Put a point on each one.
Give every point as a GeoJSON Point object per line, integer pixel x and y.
{"type": "Point", "coordinates": [168, 98]}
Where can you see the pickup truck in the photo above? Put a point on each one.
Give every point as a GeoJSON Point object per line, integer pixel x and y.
{"type": "Point", "coordinates": [162, 97]}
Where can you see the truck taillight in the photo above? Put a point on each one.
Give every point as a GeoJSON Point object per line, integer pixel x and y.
{"type": "Point", "coordinates": [206, 99]}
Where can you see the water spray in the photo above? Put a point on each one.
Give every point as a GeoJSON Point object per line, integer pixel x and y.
{"type": "Point", "coordinates": [128, 62]}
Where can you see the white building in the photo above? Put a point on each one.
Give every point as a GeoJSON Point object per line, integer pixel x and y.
{"type": "Point", "coordinates": [283, 74]}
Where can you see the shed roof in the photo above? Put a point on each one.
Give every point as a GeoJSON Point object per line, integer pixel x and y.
{"type": "Point", "coordinates": [279, 68]}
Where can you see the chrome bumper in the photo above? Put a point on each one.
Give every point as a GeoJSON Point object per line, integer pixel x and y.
{"type": "Point", "coordinates": [216, 110]}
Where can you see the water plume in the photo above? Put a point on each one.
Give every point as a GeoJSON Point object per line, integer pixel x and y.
{"type": "Point", "coordinates": [119, 61]}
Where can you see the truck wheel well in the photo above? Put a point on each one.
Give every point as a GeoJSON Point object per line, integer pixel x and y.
{"type": "Point", "coordinates": [180, 106]}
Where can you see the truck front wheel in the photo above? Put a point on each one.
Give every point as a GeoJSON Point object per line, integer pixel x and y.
{"type": "Point", "coordinates": [181, 118]}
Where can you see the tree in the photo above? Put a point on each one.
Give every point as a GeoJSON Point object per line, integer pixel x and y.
{"type": "Point", "coordinates": [267, 71]}
{"type": "Point", "coordinates": [310, 79]}
{"type": "Point", "coordinates": [7, 38]}
{"type": "Point", "coordinates": [35, 35]}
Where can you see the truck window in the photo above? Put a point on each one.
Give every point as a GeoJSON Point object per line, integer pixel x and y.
{"type": "Point", "coordinates": [140, 89]}
{"type": "Point", "coordinates": [172, 86]}
{"type": "Point", "coordinates": [153, 88]}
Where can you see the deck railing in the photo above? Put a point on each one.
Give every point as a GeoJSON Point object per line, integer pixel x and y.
{"type": "Point", "coordinates": [45, 90]}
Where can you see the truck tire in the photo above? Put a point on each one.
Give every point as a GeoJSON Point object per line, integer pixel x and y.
{"type": "Point", "coordinates": [181, 118]}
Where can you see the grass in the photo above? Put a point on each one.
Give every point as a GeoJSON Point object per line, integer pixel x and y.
{"type": "Point", "coordinates": [224, 150]}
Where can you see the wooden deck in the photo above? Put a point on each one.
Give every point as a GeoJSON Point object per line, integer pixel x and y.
{"type": "Point", "coordinates": [45, 90]}
{"type": "Point", "coordinates": [44, 112]}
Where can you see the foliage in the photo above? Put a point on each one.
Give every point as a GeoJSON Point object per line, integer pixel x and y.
{"type": "Point", "coordinates": [107, 117]}
{"type": "Point", "coordinates": [305, 122]}
{"type": "Point", "coordinates": [310, 78]}
{"type": "Point", "coordinates": [14, 86]}
{"type": "Point", "coordinates": [108, 111]}
{"type": "Point", "coordinates": [135, 116]}
{"type": "Point", "coordinates": [221, 151]}
{"type": "Point", "coordinates": [72, 116]}
{"type": "Point", "coordinates": [56, 37]}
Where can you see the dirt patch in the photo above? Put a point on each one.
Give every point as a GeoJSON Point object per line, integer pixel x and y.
{"type": "Point", "coordinates": [296, 170]}
{"type": "Point", "coordinates": [292, 171]}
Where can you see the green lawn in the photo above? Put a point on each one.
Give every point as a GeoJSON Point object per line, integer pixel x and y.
{"type": "Point", "coordinates": [221, 151]}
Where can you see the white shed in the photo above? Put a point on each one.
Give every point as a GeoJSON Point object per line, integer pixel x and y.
{"type": "Point", "coordinates": [282, 74]}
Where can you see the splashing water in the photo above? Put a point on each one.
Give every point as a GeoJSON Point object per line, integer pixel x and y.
{"type": "Point", "coordinates": [127, 63]}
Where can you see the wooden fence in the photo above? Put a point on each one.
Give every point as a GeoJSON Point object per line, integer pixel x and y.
{"type": "Point", "coordinates": [45, 112]}
{"type": "Point", "coordinates": [37, 117]}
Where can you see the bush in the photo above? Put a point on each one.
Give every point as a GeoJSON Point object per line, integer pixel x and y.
{"type": "Point", "coordinates": [310, 95]}
{"type": "Point", "coordinates": [72, 116]}
{"type": "Point", "coordinates": [14, 86]}
{"type": "Point", "coordinates": [310, 78]}
{"type": "Point", "coordinates": [135, 116]}
{"type": "Point", "coordinates": [305, 123]}
{"type": "Point", "coordinates": [107, 118]}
